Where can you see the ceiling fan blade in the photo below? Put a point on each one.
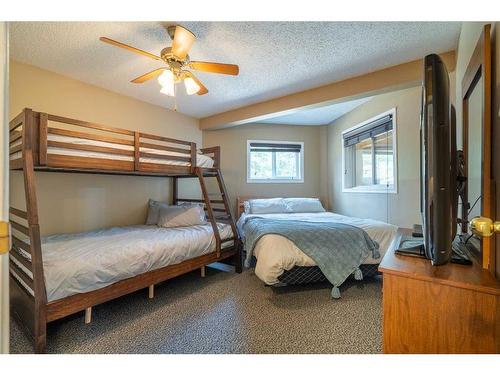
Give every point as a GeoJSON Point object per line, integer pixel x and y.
{"type": "Point", "coordinates": [148, 76]}
{"type": "Point", "coordinates": [183, 40]}
{"type": "Point", "coordinates": [203, 90]}
{"type": "Point", "coordinates": [129, 48]}
{"type": "Point", "coordinates": [211, 67]}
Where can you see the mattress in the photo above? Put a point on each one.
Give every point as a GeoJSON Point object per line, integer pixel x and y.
{"type": "Point", "coordinates": [276, 254]}
{"type": "Point", "coordinates": [201, 160]}
{"type": "Point", "coordinates": [83, 262]}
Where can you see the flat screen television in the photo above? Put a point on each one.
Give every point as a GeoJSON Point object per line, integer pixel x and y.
{"type": "Point", "coordinates": [438, 163]}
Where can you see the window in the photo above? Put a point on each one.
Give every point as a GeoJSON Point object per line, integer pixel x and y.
{"type": "Point", "coordinates": [369, 155]}
{"type": "Point", "coordinates": [275, 161]}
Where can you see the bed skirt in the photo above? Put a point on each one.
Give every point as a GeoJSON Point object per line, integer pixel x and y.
{"type": "Point", "coordinates": [305, 275]}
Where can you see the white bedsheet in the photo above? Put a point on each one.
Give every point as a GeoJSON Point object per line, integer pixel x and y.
{"type": "Point", "coordinates": [201, 160]}
{"type": "Point", "coordinates": [82, 262]}
{"type": "Point", "coordinates": [275, 253]}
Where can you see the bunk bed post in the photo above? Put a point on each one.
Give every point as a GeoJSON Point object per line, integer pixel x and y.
{"type": "Point", "coordinates": [175, 191]}
{"type": "Point", "coordinates": [217, 157]}
{"type": "Point", "coordinates": [137, 149]}
{"type": "Point", "coordinates": [43, 139]}
{"type": "Point", "coordinates": [193, 156]}
{"type": "Point", "coordinates": [39, 321]}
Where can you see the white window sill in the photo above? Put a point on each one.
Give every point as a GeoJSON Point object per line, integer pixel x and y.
{"type": "Point", "coordinates": [275, 181]}
{"type": "Point", "coordinates": [377, 189]}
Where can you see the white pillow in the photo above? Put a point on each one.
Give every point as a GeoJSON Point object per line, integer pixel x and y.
{"type": "Point", "coordinates": [267, 206]}
{"type": "Point", "coordinates": [304, 205]}
{"type": "Point", "coordinates": [181, 216]}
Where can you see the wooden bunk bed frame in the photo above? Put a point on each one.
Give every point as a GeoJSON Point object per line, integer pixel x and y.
{"type": "Point", "coordinates": [29, 136]}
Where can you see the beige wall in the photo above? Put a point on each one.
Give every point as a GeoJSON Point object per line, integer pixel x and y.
{"type": "Point", "coordinates": [77, 202]}
{"type": "Point", "coordinates": [233, 142]}
{"type": "Point", "coordinates": [402, 208]}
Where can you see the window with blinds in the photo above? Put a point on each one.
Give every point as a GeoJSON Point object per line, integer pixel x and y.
{"type": "Point", "coordinates": [369, 155]}
{"type": "Point", "coordinates": [275, 161]}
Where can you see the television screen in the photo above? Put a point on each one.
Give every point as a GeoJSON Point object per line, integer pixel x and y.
{"type": "Point", "coordinates": [438, 173]}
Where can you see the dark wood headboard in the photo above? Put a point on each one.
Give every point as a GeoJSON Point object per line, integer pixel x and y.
{"type": "Point", "coordinates": [240, 205]}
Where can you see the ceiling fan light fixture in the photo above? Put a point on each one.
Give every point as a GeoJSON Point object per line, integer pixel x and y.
{"type": "Point", "coordinates": [167, 83]}
{"type": "Point", "coordinates": [168, 91]}
{"type": "Point", "coordinates": [191, 86]}
{"type": "Point", "coordinates": [177, 60]}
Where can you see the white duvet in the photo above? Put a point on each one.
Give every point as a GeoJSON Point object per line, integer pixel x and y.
{"type": "Point", "coordinates": [275, 253]}
{"type": "Point", "coordinates": [82, 262]}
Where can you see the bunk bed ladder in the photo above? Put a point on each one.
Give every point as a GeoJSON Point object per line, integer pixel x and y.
{"type": "Point", "coordinates": [225, 198]}
{"type": "Point", "coordinates": [210, 210]}
{"type": "Point", "coordinates": [225, 212]}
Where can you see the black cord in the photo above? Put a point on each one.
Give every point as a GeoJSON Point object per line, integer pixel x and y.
{"type": "Point", "coordinates": [470, 209]}
{"type": "Point", "coordinates": [468, 238]}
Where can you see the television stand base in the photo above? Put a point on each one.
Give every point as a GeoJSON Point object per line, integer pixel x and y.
{"type": "Point", "coordinates": [459, 254]}
{"type": "Point", "coordinates": [415, 251]}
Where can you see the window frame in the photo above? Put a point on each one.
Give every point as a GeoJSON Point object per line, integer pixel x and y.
{"type": "Point", "coordinates": [276, 180]}
{"type": "Point", "coordinates": [380, 189]}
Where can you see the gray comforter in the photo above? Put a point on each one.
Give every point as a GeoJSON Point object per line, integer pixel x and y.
{"type": "Point", "coordinates": [338, 249]}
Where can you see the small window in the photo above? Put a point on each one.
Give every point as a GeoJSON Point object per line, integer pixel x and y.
{"type": "Point", "coordinates": [275, 161]}
{"type": "Point", "coordinates": [369, 155]}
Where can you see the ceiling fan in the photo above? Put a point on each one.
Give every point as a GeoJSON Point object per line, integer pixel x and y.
{"type": "Point", "coordinates": [177, 59]}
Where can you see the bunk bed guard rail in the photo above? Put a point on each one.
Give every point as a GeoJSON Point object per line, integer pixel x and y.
{"type": "Point", "coordinates": [65, 143]}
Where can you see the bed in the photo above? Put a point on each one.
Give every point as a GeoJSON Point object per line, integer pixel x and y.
{"type": "Point", "coordinates": [54, 277]}
{"type": "Point", "coordinates": [84, 262]}
{"type": "Point", "coordinates": [280, 262]}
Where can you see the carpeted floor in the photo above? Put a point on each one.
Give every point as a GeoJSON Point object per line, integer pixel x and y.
{"type": "Point", "coordinates": [224, 313]}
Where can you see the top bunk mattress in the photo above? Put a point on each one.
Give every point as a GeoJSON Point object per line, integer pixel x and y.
{"type": "Point", "coordinates": [83, 262]}
{"type": "Point", "coordinates": [203, 161]}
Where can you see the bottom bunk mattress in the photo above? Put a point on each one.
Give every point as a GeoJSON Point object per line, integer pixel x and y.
{"type": "Point", "coordinates": [83, 262]}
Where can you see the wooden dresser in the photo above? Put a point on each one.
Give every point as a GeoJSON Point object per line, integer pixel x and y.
{"type": "Point", "coordinates": [446, 309]}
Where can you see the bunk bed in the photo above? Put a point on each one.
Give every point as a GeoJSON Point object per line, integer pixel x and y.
{"type": "Point", "coordinates": [50, 143]}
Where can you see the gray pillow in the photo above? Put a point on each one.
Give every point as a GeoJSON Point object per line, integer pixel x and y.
{"type": "Point", "coordinates": [181, 216]}
{"type": "Point", "coordinates": [154, 211]}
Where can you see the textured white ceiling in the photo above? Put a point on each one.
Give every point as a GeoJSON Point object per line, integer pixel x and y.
{"type": "Point", "coordinates": [275, 58]}
{"type": "Point", "coordinates": [316, 116]}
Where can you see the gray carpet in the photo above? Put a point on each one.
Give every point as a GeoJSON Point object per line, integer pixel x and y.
{"type": "Point", "coordinates": [224, 313]}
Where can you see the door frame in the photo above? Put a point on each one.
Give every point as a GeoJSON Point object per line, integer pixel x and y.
{"type": "Point", "coordinates": [4, 191]}
{"type": "Point", "coordinates": [480, 67]}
